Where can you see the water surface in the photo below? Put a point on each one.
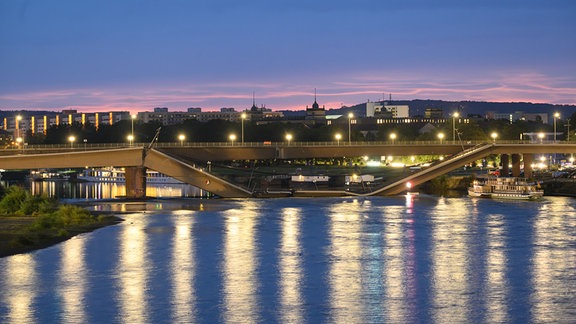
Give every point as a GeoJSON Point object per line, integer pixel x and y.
{"type": "Point", "coordinates": [330, 260]}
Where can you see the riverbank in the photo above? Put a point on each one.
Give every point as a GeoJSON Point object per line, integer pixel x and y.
{"type": "Point", "coordinates": [17, 234]}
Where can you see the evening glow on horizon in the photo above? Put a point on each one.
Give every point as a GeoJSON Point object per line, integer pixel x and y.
{"type": "Point", "coordinates": [137, 55]}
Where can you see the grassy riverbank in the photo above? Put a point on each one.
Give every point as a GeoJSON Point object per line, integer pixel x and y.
{"type": "Point", "coordinates": [29, 223]}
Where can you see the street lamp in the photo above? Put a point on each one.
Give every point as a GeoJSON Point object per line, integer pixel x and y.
{"type": "Point", "coordinates": [393, 137]}
{"type": "Point", "coordinates": [454, 116]}
{"type": "Point", "coordinates": [350, 116]}
{"type": "Point", "coordinates": [132, 117]}
{"type": "Point", "coordinates": [130, 139]}
{"type": "Point", "coordinates": [181, 137]}
{"type": "Point", "coordinates": [556, 116]}
{"type": "Point", "coordinates": [19, 141]}
{"type": "Point", "coordinates": [441, 137]}
{"type": "Point", "coordinates": [71, 139]}
{"type": "Point", "coordinates": [288, 138]}
{"type": "Point", "coordinates": [541, 137]}
{"type": "Point", "coordinates": [338, 137]}
{"type": "Point", "coordinates": [494, 135]}
{"type": "Point", "coordinates": [243, 116]}
{"type": "Point", "coordinates": [232, 138]}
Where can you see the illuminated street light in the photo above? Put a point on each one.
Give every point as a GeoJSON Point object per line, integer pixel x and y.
{"type": "Point", "coordinates": [132, 117]}
{"type": "Point", "coordinates": [19, 140]}
{"type": "Point", "coordinates": [393, 137]}
{"type": "Point", "coordinates": [494, 135]}
{"type": "Point", "coordinates": [181, 138]}
{"type": "Point", "coordinates": [350, 116]}
{"type": "Point", "coordinates": [288, 138]}
{"type": "Point", "coordinates": [71, 139]}
{"type": "Point", "coordinates": [441, 137]}
{"type": "Point", "coordinates": [541, 137]}
{"type": "Point", "coordinates": [232, 138]}
{"type": "Point", "coordinates": [130, 139]}
{"type": "Point", "coordinates": [338, 137]}
{"type": "Point", "coordinates": [556, 116]}
{"type": "Point", "coordinates": [243, 116]}
{"type": "Point", "coordinates": [454, 116]}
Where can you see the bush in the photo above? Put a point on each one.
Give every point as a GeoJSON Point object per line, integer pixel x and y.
{"type": "Point", "coordinates": [12, 201]}
{"type": "Point", "coordinates": [65, 216]}
{"type": "Point", "coordinates": [21, 202]}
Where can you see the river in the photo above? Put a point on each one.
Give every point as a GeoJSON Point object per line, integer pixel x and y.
{"type": "Point", "coordinates": [397, 259]}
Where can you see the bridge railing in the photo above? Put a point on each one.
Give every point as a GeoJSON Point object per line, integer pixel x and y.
{"type": "Point", "coordinates": [92, 146]}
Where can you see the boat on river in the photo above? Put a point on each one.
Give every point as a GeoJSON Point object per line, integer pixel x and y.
{"type": "Point", "coordinates": [505, 188]}
{"type": "Point", "coordinates": [114, 175]}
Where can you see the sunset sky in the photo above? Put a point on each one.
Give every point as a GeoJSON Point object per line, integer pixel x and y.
{"type": "Point", "coordinates": [139, 54]}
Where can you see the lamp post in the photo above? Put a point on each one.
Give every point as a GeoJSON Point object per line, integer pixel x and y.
{"type": "Point", "coordinates": [494, 135]}
{"type": "Point", "coordinates": [130, 139]}
{"type": "Point", "coordinates": [441, 137]}
{"type": "Point", "coordinates": [243, 116]}
{"type": "Point", "coordinates": [71, 139]}
{"type": "Point", "coordinates": [393, 137]}
{"type": "Point", "coordinates": [85, 141]}
{"type": "Point", "coordinates": [132, 118]}
{"type": "Point", "coordinates": [232, 138]}
{"type": "Point", "coordinates": [556, 116]}
{"type": "Point", "coordinates": [454, 116]}
{"type": "Point", "coordinates": [338, 137]}
{"type": "Point", "coordinates": [350, 116]}
{"type": "Point", "coordinates": [181, 138]}
{"type": "Point", "coordinates": [541, 137]}
{"type": "Point", "coordinates": [288, 138]}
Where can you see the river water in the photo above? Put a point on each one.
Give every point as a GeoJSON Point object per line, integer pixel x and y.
{"type": "Point", "coordinates": [401, 259]}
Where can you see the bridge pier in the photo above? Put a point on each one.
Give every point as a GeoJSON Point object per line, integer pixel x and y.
{"type": "Point", "coordinates": [528, 160]}
{"type": "Point", "coordinates": [135, 182]}
{"type": "Point", "coordinates": [515, 165]}
{"type": "Point", "coordinates": [505, 160]}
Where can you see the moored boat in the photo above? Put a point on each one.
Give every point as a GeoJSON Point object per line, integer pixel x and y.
{"type": "Point", "coordinates": [505, 188]}
{"type": "Point", "coordinates": [119, 175]}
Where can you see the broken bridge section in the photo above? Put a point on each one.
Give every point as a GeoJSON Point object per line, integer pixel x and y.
{"type": "Point", "coordinates": [454, 162]}
{"type": "Point", "coordinates": [190, 174]}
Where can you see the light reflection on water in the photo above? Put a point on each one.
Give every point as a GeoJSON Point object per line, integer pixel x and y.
{"type": "Point", "coordinates": [451, 265]}
{"type": "Point", "coordinates": [403, 259]}
{"type": "Point", "coordinates": [551, 257]}
{"type": "Point", "coordinates": [101, 190]}
{"type": "Point", "coordinates": [132, 271]}
{"type": "Point", "coordinates": [291, 267]}
{"type": "Point", "coordinates": [240, 265]}
{"type": "Point", "coordinates": [72, 281]}
{"type": "Point", "coordinates": [183, 269]}
{"type": "Point", "coordinates": [19, 288]}
{"type": "Point", "coordinates": [345, 280]}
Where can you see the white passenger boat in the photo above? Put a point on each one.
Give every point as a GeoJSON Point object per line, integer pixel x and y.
{"type": "Point", "coordinates": [505, 188]}
{"type": "Point", "coordinates": [119, 175]}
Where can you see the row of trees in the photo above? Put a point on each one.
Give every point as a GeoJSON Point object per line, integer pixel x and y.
{"type": "Point", "coordinates": [220, 130]}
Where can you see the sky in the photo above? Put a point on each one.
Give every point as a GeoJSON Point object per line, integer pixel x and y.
{"type": "Point", "coordinates": [134, 55]}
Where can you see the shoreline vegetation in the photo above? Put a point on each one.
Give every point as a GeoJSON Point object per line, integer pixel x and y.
{"type": "Point", "coordinates": [29, 223]}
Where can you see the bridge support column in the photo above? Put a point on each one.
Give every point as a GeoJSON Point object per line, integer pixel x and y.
{"type": "Point", "coordinates": [505, 160]}
{"type": "Point", "coordinates": [528, 160]}
{"type": "Point", "coordinates": [135, 182]}
{"type": "Point", "coordinates": [515, 165]}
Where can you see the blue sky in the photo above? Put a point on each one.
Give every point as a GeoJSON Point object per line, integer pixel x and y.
{"type": "Point", "coordinates": [138, 54]}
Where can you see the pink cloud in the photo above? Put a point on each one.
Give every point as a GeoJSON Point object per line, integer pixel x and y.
{"type": "Point", "coordinates": [348, 90]}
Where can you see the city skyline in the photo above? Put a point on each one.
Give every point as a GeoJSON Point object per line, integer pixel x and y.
{"type": "Point", "coordinates": [137, 55]}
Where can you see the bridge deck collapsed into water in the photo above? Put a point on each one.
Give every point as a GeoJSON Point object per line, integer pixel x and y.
{"type": "Point", "coordinates": [175, 162]}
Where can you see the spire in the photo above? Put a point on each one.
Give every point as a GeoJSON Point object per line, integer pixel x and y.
{"type": "Point", "coordinates": [315, 104]}
{"type": "Point", "coordinates": [254, 107]}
